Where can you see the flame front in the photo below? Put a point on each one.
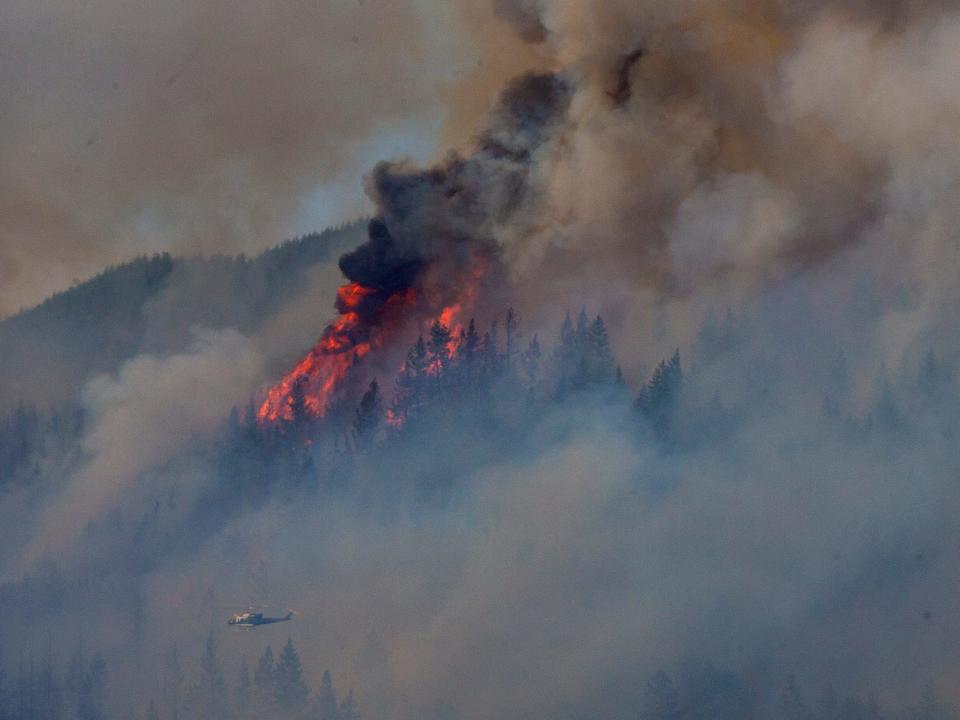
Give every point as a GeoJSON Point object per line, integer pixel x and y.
{"type": "Point", "coordinates": [313, 384]}
{"type": "Point", "coordinates": [325, 367]}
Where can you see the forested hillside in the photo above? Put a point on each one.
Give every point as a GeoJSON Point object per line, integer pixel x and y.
{"type": "Point", "coordinates": [150, 305]}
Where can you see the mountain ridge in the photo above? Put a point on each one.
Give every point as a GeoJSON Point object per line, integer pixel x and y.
{"type": "Point", "coordinates": [151, 304]}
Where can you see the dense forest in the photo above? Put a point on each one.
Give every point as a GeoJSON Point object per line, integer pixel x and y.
{"type": "Point", "coordinates": [151, 304]}
{"type": "Point", "coordinates": [488, 392]}
{"type": "Point", "coordinates": [77, 689]}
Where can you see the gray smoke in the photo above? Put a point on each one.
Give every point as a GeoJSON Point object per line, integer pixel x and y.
{"type": "Point", "coordinates": [794, 162]}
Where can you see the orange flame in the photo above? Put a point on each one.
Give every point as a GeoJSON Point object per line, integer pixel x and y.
{"type": "Point", "coordinates": [314, 382]}
{"type": "Point", "coordinates": [325, 367]}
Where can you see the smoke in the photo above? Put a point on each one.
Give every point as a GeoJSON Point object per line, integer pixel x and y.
{"type": "Point", "coordinates": [153, 410]}
{"type": "Point", "coordinates": [794, 162]}
{"type": "Point", "coordinates": [448, 215]}
{"type": "Point", "coordinates": [197, 127]}
{"type": "Point", "coordinates": [712, 148]}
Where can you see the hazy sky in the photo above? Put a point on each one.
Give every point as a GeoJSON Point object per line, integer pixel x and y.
{"type": "Point", "coordinates": [795, 161]}
{"type": "Point", "coordinates": [208, 125]}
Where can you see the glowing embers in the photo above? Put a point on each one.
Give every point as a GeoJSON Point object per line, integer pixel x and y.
{"type": "Point", "coordinates": [368, 321]}
{"type": "Point", "coordinates": [310, 386]}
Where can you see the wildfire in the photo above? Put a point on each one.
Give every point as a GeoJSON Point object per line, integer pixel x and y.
{"type": "Point", "coordinates": [312, 384]}
{"type": "Point", "coordinates": [316, 377]}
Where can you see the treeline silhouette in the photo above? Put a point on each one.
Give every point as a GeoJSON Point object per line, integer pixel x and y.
{"type": "Point", "coordinates": [80, 688]}
{"type": "Point", "coordinates": [460, 400]}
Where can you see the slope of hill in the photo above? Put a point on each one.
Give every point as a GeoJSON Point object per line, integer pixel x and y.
{"type": "Point", "coordinates": [150, 305]}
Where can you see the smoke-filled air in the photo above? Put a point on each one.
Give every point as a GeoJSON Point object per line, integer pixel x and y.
{"type": "Point", "coordinates": [480, 360]}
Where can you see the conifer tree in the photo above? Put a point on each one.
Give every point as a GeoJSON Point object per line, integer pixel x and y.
{"type": "Point", "coordinates": [580, 334]}
{"type": "Point", "coordinates": [662, 701]}
{"type": "Point", "coordinates": [327, 699]}
{"type": "Point", "coordinates": [4, 704]}
{"type": "Point", "coordinates": [211, 678]}
{"type": "Point", "coordinates": [244, 684]}
{"type": "Point", "coordinates": [369, 415]}
{"type": "Point", "coordinates": [601, 356]}
{"type": "Point", "coordinates": [410, 384]}
{"type": "Point", "coordinates": [172, 682]}
{"type": "Point", "coordinates": [792, 703]}
{"type": "Point", "coordinates": [263, 675]}
{"type": "Point", "coordinates": [658, 399]}
{"type": "Point", "coordinates": [290, 691]}
{"type": "Point", "coordinates": [467, 359]}
{"type": "Point", "coordinates": [348, 708]}
{"type": "Point", "coordinates": [511, 329]}
{"type": "Point", "coordinates": [438, 346]}
{"type": "Point", "coordinates": [531, 361]}
{"type": "Point", "coordinates": [300, 415]}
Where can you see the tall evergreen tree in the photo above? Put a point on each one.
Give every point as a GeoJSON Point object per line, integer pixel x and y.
{"type": "Point", "coordinates": [49, 697]}
{"type": "Point", "coordinates": [327, 699]}
{"type": "Point", "coordinates": [931, 707]}
{"type": "Point", "coordinates": [369, 415]}
{"type": "Point", "coordinates": [411, 382]}
{"type": "Point", "coordinates": [172, 683]}
{"type": "Point", "coordinates": [512, 324]}
{"type": "Point", "coordinates": [244, 685]}
{"type": "Point", "coordinates": [348, 708]}
{"type": "Point", "coordinates": [662, 701]}
{"type": "Point", "coordinates": [659, 398]}
{"type": "Point", "coordinates": [263, 675]}
{"type": "Point", "coordinates": [601, 356]}
{"type": "Point", "coordinates": [152, 713]}
{"type": "Point", "coordinates": [290, 690]}
{"type": "Point", "coordinates": [76, 681]}
{"type": "Point", "coordinates": [792, 703]}
{"type": "Point", "coordinates": [531, 361]}
{"type": "Point", "coordinates": [211, 679]}
{"type": "Point", "coordinates": [580, 334]}
{"type": "Point", "coordinates": [299, 413]}
{"type": "Point", "coordinates": [4, 699]}
{"type": "Point", "coordinates": [439, 345]}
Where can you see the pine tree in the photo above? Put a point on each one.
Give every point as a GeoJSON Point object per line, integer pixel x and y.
{"type": "Point", "coordinates": [4, 705]}
{"type": "Point", "coordinates": [931, 708]}
{"type": "Point", "coordinates": [792, 703]}
{"type": "Point", "coordinates": [471, 342]}
{"type": "Point", "coordinates": [49, 691]}
{"type": "Point", "coordinates": [152, 713]}
{"type": "Point", "coordinates": [531, 361]}
{"type": "Point", "coordinates": [439, 345]}
{"type": "Point", "coordinates": [369, 415]}
{"type": "Point", "coordinates": [829, 704]}
{"type": "Point", "coordinates": [580, 334]}
{"type": "Point", "coordinates": [659, 398]}
{"type": "Point", "coordinates": [172, 683]}
{"type": "Point", "coordinates": [411, 383]}
{"type": "Point", "coordinates": [244, 685]}
{"type": "Point", "coordinates": [662, 701]}
{"type": "Point", "coordinates": [263, 676]}
{"type": "Point", "coordinates": [489, 357]}
{"type": "Point", "coordinates": [566, 330]}
{"type": "Point", "coordinates": [262, 697]}
{"type": "Point", "coordinates": [602, 370]}
{"type": "Point", "coordinates": [327, 699]}
{"type": "Point", "coordinates": [299, 412]}
{"type": "Point", "coordinates": [212, 680]}
{"type": "Point", "coordinates": [290, 690]}
{"type": "Point", "coordinates": [467, 359]}
{"type": "Point", "coordinates": [511, 328]}
{"type": "Point", "coordinates": [348, 708]}
{"type": "Point", "coordinates": [76, 681]}
{"type": "Point", "coordinates": [93, 688]}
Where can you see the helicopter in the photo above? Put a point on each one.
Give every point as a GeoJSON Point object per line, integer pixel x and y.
{"type": "Point", "coordinates": [252, 619]}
